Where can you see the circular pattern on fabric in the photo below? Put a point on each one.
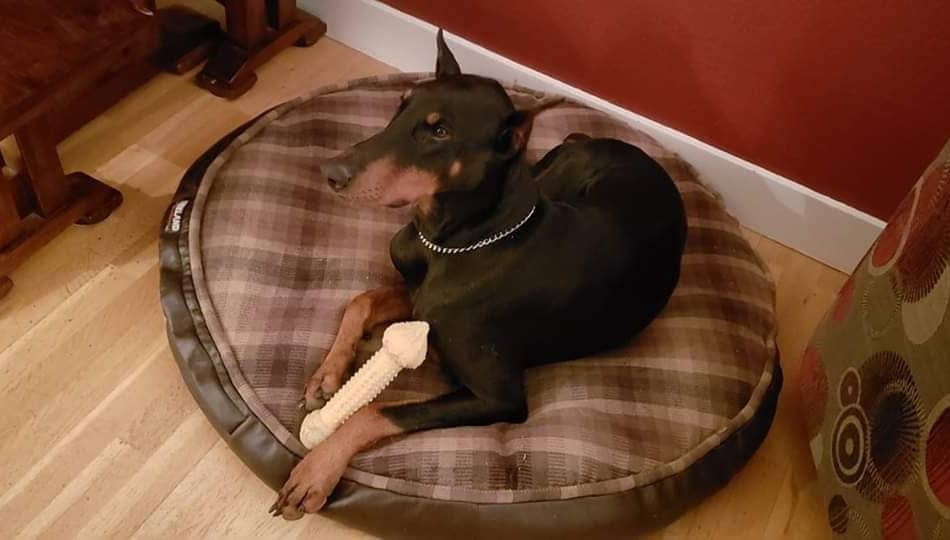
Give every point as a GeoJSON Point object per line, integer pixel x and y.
{"type": "Point", "coordinates": [895, 434]}
{"type": "Point", "coordinates": [923, 318]}
{"type": "Point", "coordinates": [849, 389]}
{"type": "Point", "coordinates": [838, 514]}
{"type": "Point", "coordinates": [814, 388]}
{"type": "Point", "coordinates": [891, 401]}
{"type": "Point", "coordinates": [922, 278]}
{"type": "Point", "coordinates": [849, 447]}
{"type": "Point", "coordinates": [937, 457]}
{"type": "Point", "coordinates": [880, 306]}
{"type": "Point", "coordinates": [897, 519]}
{"type": "Point", "coordinates": [926, 254]}
{"type": "Point", "coordinates": [889, 244]}
{"type": "Point", "coordinates": [891, 362]}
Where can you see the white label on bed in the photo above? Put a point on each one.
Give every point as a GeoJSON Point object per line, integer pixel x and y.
{"type": "Point", "coordinates": [174, 222]}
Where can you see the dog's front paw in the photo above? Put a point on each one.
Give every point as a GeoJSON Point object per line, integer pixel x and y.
{"type": "Point", "coordinates": [325, 382]}
{"type": "Point", "coordinates": [310, 484]}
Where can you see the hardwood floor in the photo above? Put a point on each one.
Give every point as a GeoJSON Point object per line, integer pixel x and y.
{"type": "Point", "coordinates": [100, 438]}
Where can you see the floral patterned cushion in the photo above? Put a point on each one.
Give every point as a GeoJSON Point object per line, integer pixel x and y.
{"type": "Point", "coordinates": [876, 378]}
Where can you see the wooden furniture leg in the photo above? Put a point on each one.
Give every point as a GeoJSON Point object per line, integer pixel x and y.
{"type": "Point", "coordinates": [257, 31]}
{"type": "Point", "coordinates": [50, 190]}
{"type": "Point", "coordinates": [38, 205]}
{"type": "Point", "coordinates": [188, 37]}
{"type": "Point", "coordinates": [282, 13]}
{"type": "Point", "coordinates": [247, 22]}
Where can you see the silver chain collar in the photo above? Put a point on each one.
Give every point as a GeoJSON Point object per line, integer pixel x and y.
{"type": "Point", "coordinates": [480, 244]}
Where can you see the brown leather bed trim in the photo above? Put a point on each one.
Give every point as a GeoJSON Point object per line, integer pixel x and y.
{"type": "Point", "coordinates": [195, 352]}
{"type": "Point", "coordinates": [618, 515]}
{"type": "Point", "coordinates": [393, 515]}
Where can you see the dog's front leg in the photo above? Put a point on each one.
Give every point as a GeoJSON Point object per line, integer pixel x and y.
{"type": "Point", "coordinates": [313, 479]}
{"type": "Point", "coordinates": [369, 309]}
{"type": "Point", "coordinates": [492, 390]}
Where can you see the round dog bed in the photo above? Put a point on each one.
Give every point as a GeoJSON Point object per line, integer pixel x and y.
{"type": "Point", "coordinates": [259, 258]}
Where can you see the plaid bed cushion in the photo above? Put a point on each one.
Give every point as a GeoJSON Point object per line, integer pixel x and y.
{"type": "Point", "coordinates": [276, 257]}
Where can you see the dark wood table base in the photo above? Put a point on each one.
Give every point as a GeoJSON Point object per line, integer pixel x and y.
{"type": "Point", "coordinates": [86, 201]}
{"type": "Point", "coordinates": [188, 37]}
{"type": "Point", "coordinates": [75, 86]}
{"type": "Point", "coordinates": [36, 205]}
{"type": "Point", "coordinates": [257, 31]}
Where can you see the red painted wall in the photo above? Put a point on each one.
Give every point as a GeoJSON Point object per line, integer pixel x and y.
{"type": "Point", "coordinates": [851, 98]}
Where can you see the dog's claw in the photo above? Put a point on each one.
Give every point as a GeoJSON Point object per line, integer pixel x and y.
{"type": "Point", "coordinates": [274, 509]}
{"type": "Point", "coordinates": [280, 508]}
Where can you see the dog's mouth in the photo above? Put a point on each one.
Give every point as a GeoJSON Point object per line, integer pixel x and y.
{"type": "Point", "coordinates": [373, 195]}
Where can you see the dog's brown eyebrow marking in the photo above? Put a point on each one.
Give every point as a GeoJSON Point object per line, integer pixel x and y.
{"type": "Point", "coordinates": [455, 168]}
{"type": "Point", "coordinates": [433, 118]}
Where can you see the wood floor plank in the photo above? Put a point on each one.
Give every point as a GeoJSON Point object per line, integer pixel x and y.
{"type": "Point", "coordinates": [72, 373]}
{"type": "Point", "coordinates": [123, 513]}
{"type": "Point", "coordinates": [141, 411]}
{"type": "Point", "coordinates": [221, 498]}
{"type": "Point", "coordinates": [193, 128]}
{"type": "Point", "coordinates": [298, 71]}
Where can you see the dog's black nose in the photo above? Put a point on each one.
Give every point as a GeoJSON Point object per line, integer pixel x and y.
{"type": "Point", "coordinates": [338, 174]}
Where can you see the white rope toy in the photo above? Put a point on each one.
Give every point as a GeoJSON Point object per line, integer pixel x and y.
{"type": "Point", "coordinates": [404, 346]}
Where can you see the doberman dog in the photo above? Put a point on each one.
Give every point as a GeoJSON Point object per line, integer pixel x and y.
{"type": "Point", "coordinates": [512, 265]}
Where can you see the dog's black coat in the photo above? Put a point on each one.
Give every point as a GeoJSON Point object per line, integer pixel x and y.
{"type": "Point", "coordinates": [593, 266]}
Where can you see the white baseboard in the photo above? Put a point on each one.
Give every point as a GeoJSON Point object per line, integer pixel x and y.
{"type": "Point", "coordinates": [790, 213]}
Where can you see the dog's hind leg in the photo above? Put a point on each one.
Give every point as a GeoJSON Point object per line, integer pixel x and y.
{"type": "Point", "coordinates": [564, 173]}
{"type": "Point", "coordinates": [369, 309]}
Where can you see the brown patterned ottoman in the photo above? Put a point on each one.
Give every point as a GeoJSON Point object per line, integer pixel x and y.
{"type": "Point", "coordinates": [258, 259]}
{"type": "Point", "coordinates": [876, 378]}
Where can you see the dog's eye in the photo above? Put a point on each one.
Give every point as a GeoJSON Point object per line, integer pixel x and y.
{"type": "Point", "coordinates": [440, 133]}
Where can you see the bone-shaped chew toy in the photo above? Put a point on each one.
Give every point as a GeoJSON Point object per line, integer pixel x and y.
{"type": "Point", "coordinates": [404, 346]}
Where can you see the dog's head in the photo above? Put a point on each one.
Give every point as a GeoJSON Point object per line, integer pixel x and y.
{"type": "Point", "coordinates": [452, 137]}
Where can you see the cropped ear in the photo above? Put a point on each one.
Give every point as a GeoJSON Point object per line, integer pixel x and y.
{"type": "Point", "coordinates": [517, 127]}
{"type": "Point", "coordinates": [445, 64]}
